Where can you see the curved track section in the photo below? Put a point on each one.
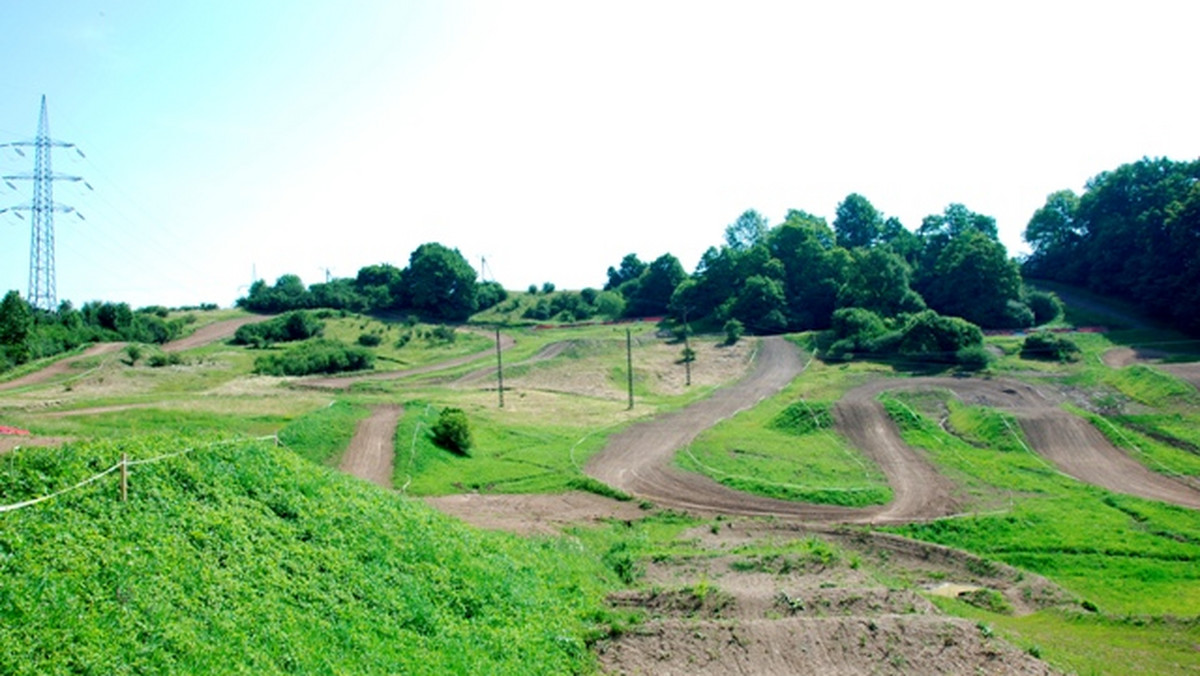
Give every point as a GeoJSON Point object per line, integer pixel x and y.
{"type": "Point", "coordinates": [345, 382]}
{"type": "Point", "coordinates": [638, 460]}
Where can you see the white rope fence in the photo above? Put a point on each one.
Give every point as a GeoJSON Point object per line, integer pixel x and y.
{"type": "Point", "coordinates": [123, 467]}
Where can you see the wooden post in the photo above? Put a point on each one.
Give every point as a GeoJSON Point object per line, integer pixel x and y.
{"type": "Point", "coordinates": [629, 363]}
{"type": "Point", "coordinates": [499, 368]}
{"type": "Point", "coordinates": [124, 477]}
{"type": "Point", "coordinates": [687, 352]}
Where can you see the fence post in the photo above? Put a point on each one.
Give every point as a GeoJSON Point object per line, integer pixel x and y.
{"type": "Point", "coordinates": [124, 477]}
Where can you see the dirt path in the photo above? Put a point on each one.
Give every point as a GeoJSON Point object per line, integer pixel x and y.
{"type": "Point", "coordinates": [211, 333]}
{"type": "Point", "coordinates": [371, 452]}
{"type": "Point", "coordinates": [546, 353]}
{"type": "Point", "coordinates": [638, 460]}
{"type": "Point", "coordinates": [60, 367]}
{"type": "Point", "coordinates": [345, 382]}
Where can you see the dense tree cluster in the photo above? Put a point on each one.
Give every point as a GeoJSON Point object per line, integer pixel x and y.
{"type": "Point", "coordinates": [438, 283]}
{"type": "Point", "coordinates": [796, 275]}
{"type": "Point", "coordinates": [27, 333]}
{"type": "Point", "coordinates": [1133, 233]}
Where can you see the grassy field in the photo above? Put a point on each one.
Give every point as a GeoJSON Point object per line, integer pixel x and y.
{"type": "Point", "coordinates": [265, 534]}
{"type": "Point", "coordinates": [241, 557]}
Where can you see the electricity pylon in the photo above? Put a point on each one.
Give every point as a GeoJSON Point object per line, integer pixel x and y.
{"type": "Point", "coordinates": [42, 292]}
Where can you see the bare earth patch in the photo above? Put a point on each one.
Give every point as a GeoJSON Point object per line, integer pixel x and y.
{"type": "Point", "coordinates": [534, 514]}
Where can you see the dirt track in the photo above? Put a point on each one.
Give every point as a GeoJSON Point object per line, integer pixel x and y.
{"type": "Point", "coordinates": [638, 460]}
{"type": "Point", "coordinates": [60, 367]}
{"type": "Point", "coordinates": [371, 452]}
{"type": "Point", "coordinates": [212, 333]}
{"type": "Point", "coordinates": [345, 382]}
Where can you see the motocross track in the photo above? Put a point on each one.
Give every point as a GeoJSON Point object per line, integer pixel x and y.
{"type": "Point", "coordinates": [213, 332]}
{"type": "Point", "coordinates": [345, 382]}
{"type": "Point", "coordinates": [638, 460]}
{"type": "Point", "coordinates": [371, 452]}
{"type": "Point", "coordinates": [60, 367]}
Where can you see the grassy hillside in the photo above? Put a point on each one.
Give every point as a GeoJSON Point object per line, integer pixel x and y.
{"type": "Point", "coordinates": [244, 558]}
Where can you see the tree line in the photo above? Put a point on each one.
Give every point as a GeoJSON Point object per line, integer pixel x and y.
{"type": "Point", "coordinates": [27, 333]}
{"type": "Point", "coordinates": [1134, 233]}
{"type": "Point", "coordinates": [438, 284]}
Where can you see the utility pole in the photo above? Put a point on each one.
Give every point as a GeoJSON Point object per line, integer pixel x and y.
{"type": "Point", "coordinates": [42, 292]}
{"type": "Point", "coordinates": [499, 368]}
{"type": "Point", "coordinates": [629, 363]}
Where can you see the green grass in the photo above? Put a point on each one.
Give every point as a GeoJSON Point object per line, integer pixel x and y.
{"type": "Point", "coordinates": [244, 558]}
{"type": "Point", "coordinates": [506, 457]}
{"type": "Point", "coordinates": [323, 435]}
{"type": "Point", "coordinates": [786, 448]}
{"type": "Point", "coordinates": [1086, 644]}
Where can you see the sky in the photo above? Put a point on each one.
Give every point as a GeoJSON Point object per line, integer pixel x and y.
{"type": "Point", "coordinates": [226, 141]}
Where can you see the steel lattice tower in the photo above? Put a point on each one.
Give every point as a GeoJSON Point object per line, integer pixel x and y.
{"type": "Point", "coordinates": [42, 293]}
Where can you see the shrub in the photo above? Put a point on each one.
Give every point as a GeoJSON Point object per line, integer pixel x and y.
{"type": "Point", "coordinates": [733, 331]}
{"type": "Point", "coordinates": [319, 356]}
{"type": "Point", "coordinates": [161, 359]}
{"type": "Point", "coordinates": [974, 358]}
{"type": "Point", "coordinates": [928, 335]}
{"type": "Point", "coordinates": [443, 334]}
{"type": "Point", "coordinates": [1048, 346]}
{"type": "Point", "coordinates": [1046, 307]}
{"type": "Point", "coordinates": [293, 326]}
{"type": "Point", "coordinates": [1017, 315]}
{"type": "Point", "coordinates": [452, 431]}
{"type": "Point", "coordinates": [370, 339]}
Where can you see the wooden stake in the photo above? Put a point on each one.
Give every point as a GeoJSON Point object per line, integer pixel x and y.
{"type": "Point", "coordinates": [124, 477]}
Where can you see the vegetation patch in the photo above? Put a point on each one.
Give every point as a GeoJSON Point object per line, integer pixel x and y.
{"type": "Point", "coordinates": [316, 356]}
{"type": "Point", "coordinates": [244, 558]}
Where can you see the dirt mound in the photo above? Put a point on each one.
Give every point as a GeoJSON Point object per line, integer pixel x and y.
{"type": "Point", "coordinates": [820, 612]}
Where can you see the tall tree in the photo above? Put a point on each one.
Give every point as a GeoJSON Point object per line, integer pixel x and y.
{"type": "Point", "coordinates": [749, 230]}
{"type": "Point", "coordinates": [655, 287]}
{"type": "Point", "coordinates": [631, 268]}
{"type": "Point", "coordinates": [877, 279]}
{"type": "Point", "coordinates": [858, 223]}
{"type": "Point", "coordinates": [16, 323]}
{"type": "Point", "coordinates": [974, 279]}
{"type": "Point", "coordinates": [441, 283]}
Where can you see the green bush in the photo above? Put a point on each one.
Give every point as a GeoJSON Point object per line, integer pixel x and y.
{"type": "Point", "coordinates": [974, 358]}
{"type": "Point", "coordinates": [370, 339]}
{"type": "Point", "coordinates": [452, 431]}
{"type": "Point", "coordinates": [293, 326]}
{"type": "Point", "coordinates": [318, 356]}
{"type": "Point", "coordinates": [1046, 307]}
{"type": "Point", "coordinates": [733, 331]}
{"type": "Point", "coordinates": [1048, 346]}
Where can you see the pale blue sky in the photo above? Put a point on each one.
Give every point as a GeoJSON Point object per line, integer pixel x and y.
{"type": "Point", "coordinates": [554, 137]}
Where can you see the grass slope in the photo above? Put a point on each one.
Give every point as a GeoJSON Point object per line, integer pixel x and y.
{"type": "Point", "coordinates": [244, 558]}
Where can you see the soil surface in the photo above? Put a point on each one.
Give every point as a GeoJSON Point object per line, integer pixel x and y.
{"type": "Point", "coordinates": [61, 366]}
{"type": "Point", "coordinates": [1119, 357]}
{"type": "Point", "coordinates": [726, 612]}
{"type": "Point", "coordinates": [371, 452]}
{"type": "Point", "coordinates": [211, 333]}
{"type": "Point", "coordinates": [534, 514]}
